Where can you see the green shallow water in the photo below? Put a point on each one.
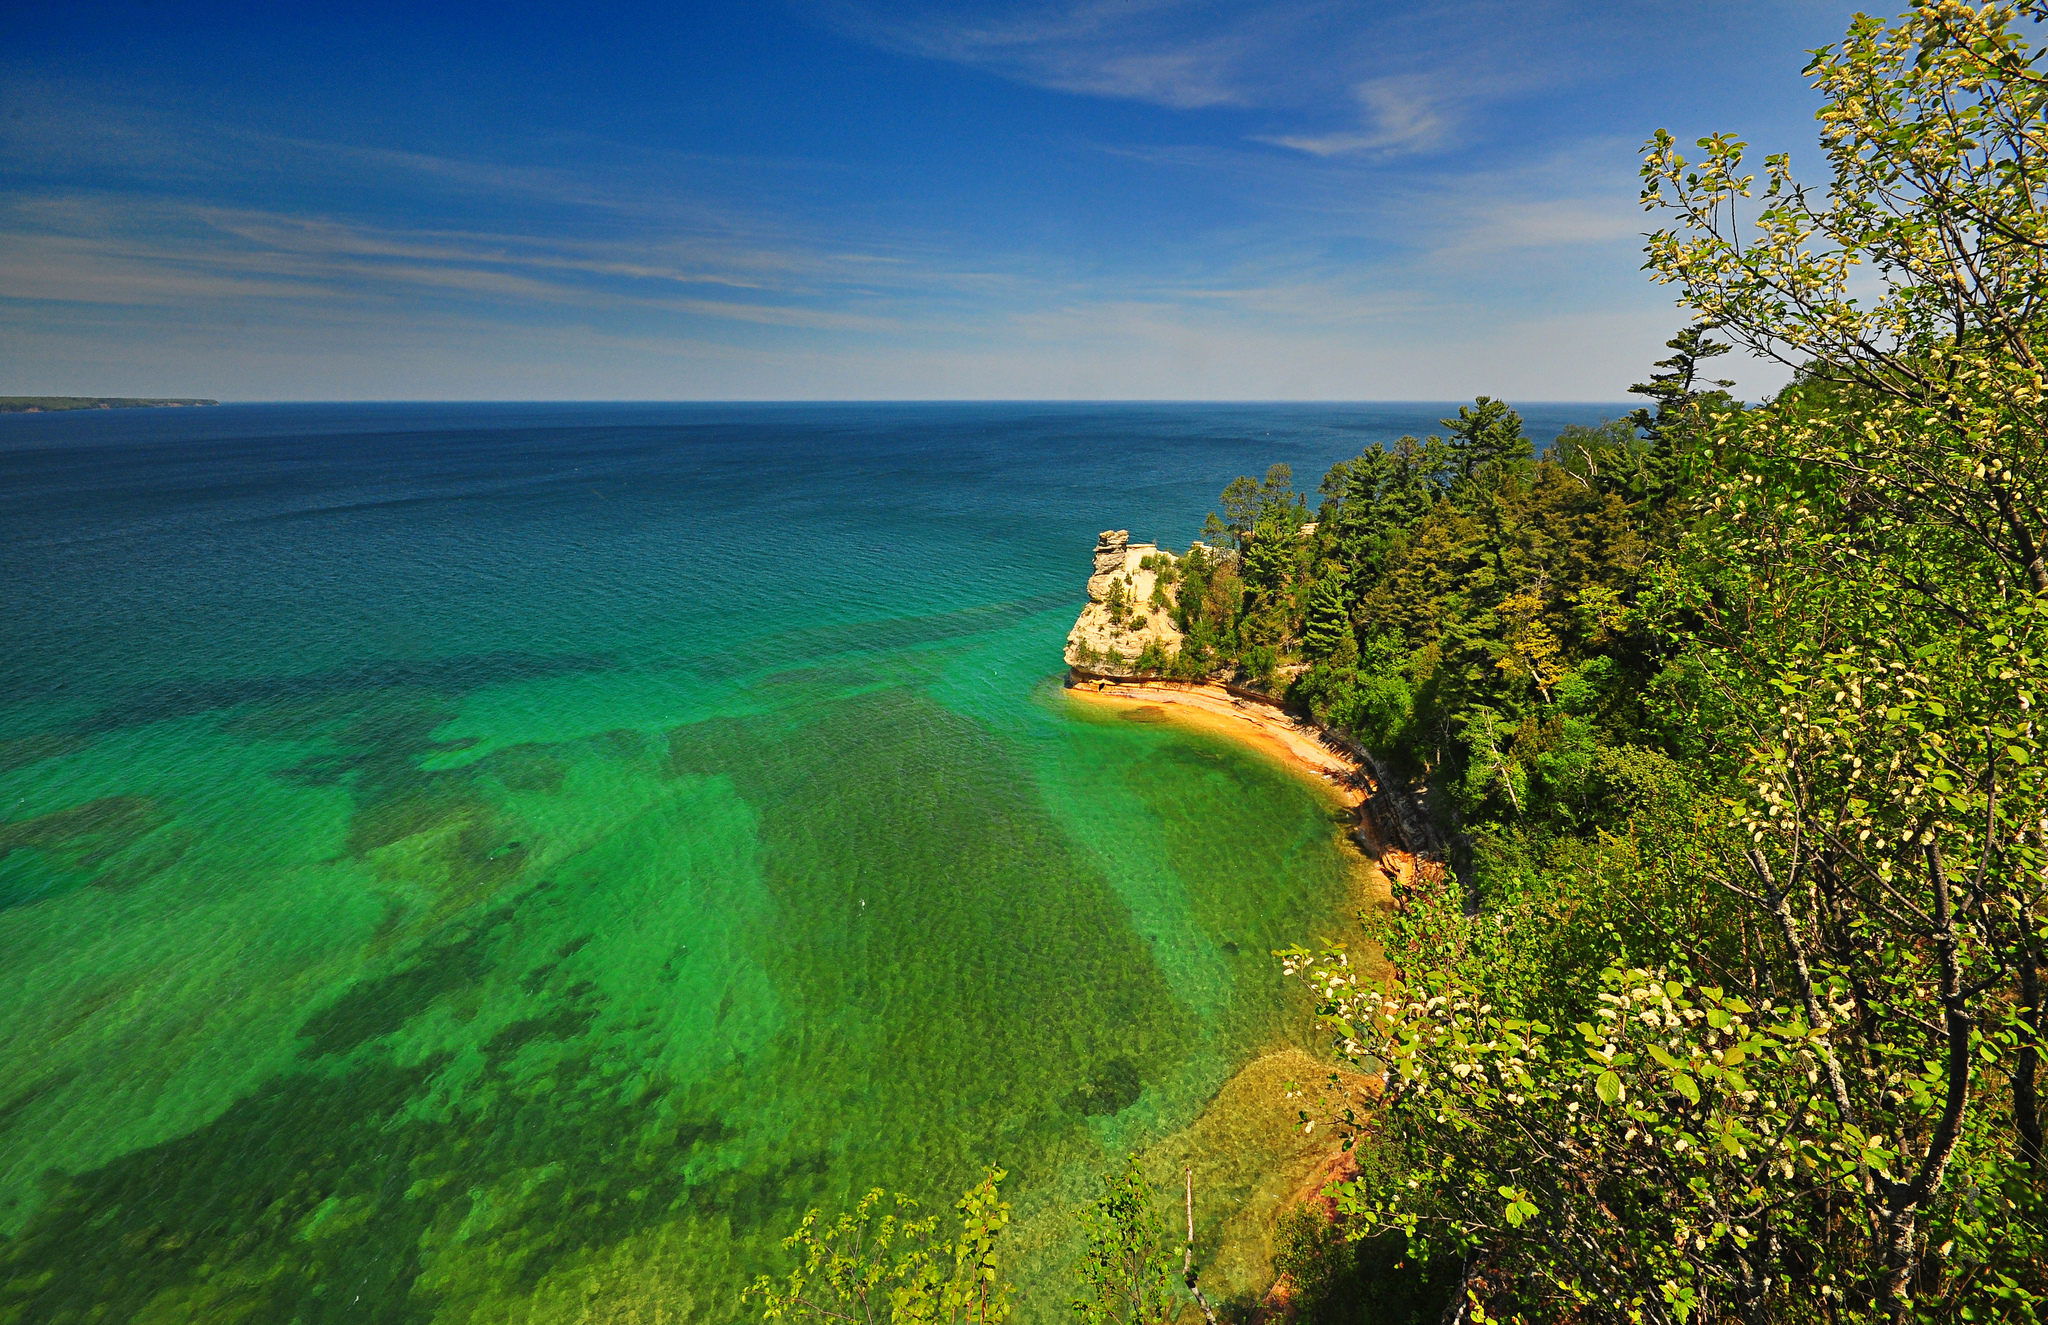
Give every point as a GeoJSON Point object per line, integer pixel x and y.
{"type": "Point", "coordinates": [552, 980]}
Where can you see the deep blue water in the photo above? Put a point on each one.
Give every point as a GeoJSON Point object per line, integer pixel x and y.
{"type": "Point", "coordinates": [148, 545]}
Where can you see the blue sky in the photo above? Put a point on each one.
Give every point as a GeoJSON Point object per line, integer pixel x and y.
{"type": "Point", "coordinates": [1111, 199]}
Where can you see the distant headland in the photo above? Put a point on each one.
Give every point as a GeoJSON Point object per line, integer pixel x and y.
{"type": "Point", "coordinates": [50, 404]}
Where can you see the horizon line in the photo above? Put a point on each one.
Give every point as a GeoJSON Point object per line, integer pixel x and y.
{"type": "Point", "coordinates": [846, 400]}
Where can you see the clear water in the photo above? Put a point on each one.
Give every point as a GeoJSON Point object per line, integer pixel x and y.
{"type": "Point", "coordinates": [482, 863]}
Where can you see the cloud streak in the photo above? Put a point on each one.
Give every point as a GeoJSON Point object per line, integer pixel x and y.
{"type": "Point", "coordinates": [1402, 115]}
{"type": "Point", "coordinates": [1177, 53]}
{"type": "Point", "coordinates": [72, 250]}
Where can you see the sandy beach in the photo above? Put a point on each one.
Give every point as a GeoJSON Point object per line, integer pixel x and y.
{"type": "Point", "coordinates": [1267, 727]}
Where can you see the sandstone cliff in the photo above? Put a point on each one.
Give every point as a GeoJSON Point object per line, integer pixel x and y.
{"type": "Point", "coordinates": [1122, 616]}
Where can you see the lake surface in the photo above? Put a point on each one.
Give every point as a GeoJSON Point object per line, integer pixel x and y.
{"type": "Point", "coordinates": [485, 863]}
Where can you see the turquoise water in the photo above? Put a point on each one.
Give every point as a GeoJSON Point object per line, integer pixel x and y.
{"type": "Point", "coordinates": [498, 863]}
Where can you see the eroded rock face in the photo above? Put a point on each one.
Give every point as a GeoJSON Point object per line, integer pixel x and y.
{"type": "Point", "coordinates": [1110, 547]}
{"type": "Point", "coordinates": [1096, 643]}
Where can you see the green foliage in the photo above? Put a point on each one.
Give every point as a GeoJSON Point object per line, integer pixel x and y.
{"type": "Point", "coordinates": [1335, 1278]}
{"type": "Point", "coordinates": [1329, 616]}
{"type": "Point", "coordinates": [1249, 503]}
{"type": "Point", "coordinates": [1117, 601]}
{"type": "Point", "coordinates": [1260, 664]}
{"type": "Point", "coordinates": [1320, 1265]}
{"type": "Point", "coordinates": [1269, 557]}
{"type": "Point", "coordinates": [1748, 1021]}
{"type": "Point", "coordinates": [1125, 1273]}
{"type": "Point", "coordinates": [1487, 435]}
{"type": "Point", "coordinates": [1684, 399]}
{"type": "Point", "coordinates": [878, 1263]}
{"type": "Point", "coordinates": [1484, 580]}
{"type": "Point", "coordinates": [1676, 389]}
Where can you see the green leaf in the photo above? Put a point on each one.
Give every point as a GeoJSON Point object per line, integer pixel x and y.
{"type": "Point", "coordinates": [1687, 1087]}
{"type": "Point", "coordinates": [1608, 1087]}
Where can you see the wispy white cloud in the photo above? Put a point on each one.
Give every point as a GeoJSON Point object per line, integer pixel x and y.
{"type": "Point", "coordinates": [1180, 53]}
{"type": "Point", "coordinates": [1402, 114]}
{"type": "Point", "coordinates": [68, 269]}
{"type": "Point", "coordinates": [84, 250]}
{"type": "Point", "coordinates": [1563, 203]}
{"type": "Point", "coordinates": [1394, 81]}
{"type": "Point", "coordinates": [70, 129]}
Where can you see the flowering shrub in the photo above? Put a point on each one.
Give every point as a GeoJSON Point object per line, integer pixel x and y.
{"type": "Point", "coordinates": [1663, 1157]}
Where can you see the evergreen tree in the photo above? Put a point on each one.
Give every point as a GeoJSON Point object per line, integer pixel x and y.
{"type": "Point", "coordinates": [1485, 433]}
{"type": "Point", "coordinates": [1249, 503]}
{"type": "Point", "coordinates": [1680, 399]}
{"type": "Point", "coordinates": [1678, 387]}
{"type": "Point", "coordinates": [1329, 615]}
{"type": "Point", "coordinates": [1268, 557]}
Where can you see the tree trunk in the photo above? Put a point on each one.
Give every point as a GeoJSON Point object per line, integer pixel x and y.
{"type": "Point", "coordinates": [2026, 1104]}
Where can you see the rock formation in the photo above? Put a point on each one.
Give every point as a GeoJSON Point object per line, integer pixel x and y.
{"type": "Point", "coordinates": [1110, 635]}
{"type": "Point", "coordinates": [1111, 547]}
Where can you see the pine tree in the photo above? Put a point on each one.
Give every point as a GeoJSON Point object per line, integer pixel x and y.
{"type": "Point", "coordinates": [1678, 393]}
{"type": "Point", "coordinates": [1487, 432]}
{"type": "Point", "coordinates": [1678, 387]}
{"type": "Point", "coordinates": [1329, 616]}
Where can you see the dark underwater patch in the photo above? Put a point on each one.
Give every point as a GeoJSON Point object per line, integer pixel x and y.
{"type": "Point", "coordinates": [563, 1023]}
{"type": "Point", "coordinates": [1113, 1087]}
{"type": "Point", "coordinates": [382, 822]}
{"type": "Point", "coordinates": [155, 855]}
{"type": "Point", "coordinates": [438, 676]}
{"type": "Point", "coordinates": [317, 1200]}
{"type": "Point", "coordinates": [524, 767]}
{"type": "Point", "coordinates": [13, 1106]}
{"type": "Point", "coordinates": [86, 834]}
{"type": "Point", "coordinates": [21, 751]}
{"type": "Point", "coordinates": [107, 841]}
{"type": "Point", "coordinates": [212, 1217]}
{"type": "Point", "coordinates": [378, 1006]}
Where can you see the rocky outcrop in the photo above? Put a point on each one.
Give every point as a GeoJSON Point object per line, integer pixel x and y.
{"type": "Point", "coordinates": [1114, 628]}
{"type": "Point", "coordinates": [1111, 549]}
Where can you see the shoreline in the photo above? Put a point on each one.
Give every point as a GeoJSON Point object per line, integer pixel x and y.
{"type": "Point", "coordinates": [1263, 725]}
{"type": "Point", "coordinates": [1296, 742]}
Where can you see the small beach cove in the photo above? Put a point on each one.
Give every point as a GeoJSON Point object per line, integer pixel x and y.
{"type": "Point", "coordinates": [1290, 739]}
